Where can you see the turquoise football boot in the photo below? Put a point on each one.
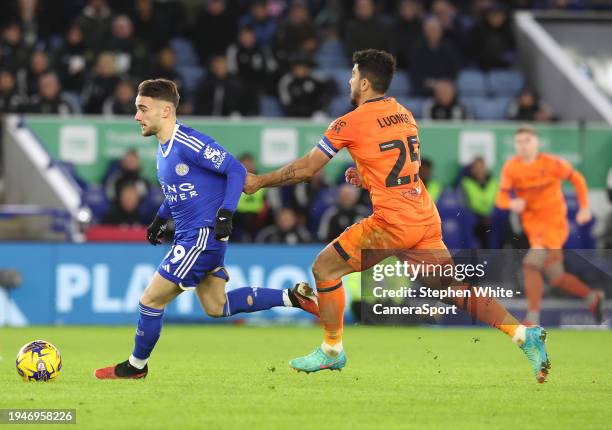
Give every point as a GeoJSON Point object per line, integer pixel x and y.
{"type": "Point", "coordinates": [534, 348]}
{"type": "Point", "coordinates": [318, 360]}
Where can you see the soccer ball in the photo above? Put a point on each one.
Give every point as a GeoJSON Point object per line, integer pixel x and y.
{"type": "Point", "coordinates": [38, 361]}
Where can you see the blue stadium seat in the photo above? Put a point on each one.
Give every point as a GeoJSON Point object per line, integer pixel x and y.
{"type": "Point", "coordinates": [191, 76]}
{"type": "Point", "coordinates": [185, 52]}
{"type": "Point", "coordinates": [339, 106]}
{"type": "Point", "coordinates": [341, 76]}
{"type": "Point", "coordinates": [331, 55]}
{"type": "Point", "coordinates": [471, 83]}
{"type": "Point", "coordinates": [400, 85]}
{"type": "Point", "coordinates": [506, 83]}
{"type": "Point", "coordinates": [413, 104]}
{"type": "Point", "coordinates": [457, 222]}
{"type": "Point", "coordinates": [269, 106]}
{"type": "Point", "coordinates": [580, 236]}
{"type": "Point", "coordinates": [493, 108]}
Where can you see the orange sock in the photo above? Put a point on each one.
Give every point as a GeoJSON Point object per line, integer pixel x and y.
{"type": "Point", "coordinates": [331, 306]}
{"type": "Point", "coordinates": [534, 287]}
{"type": "Point", "coordinates": [489, 311]}
{"type": "Point", "coordinates": [571, 284]}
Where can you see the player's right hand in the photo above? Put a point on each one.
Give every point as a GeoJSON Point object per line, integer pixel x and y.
{"type": "Point", "coordinates": [352, 177]}
{"type": "Point", "coordinates": [517, 205]}
{"type": "Point", "coordinates": [156, 230]}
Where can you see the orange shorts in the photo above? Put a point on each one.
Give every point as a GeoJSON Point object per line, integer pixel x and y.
{"type": "Point", "coordinates": [548, 233]}
{"type": "Point", "coordinates": [373, 233]}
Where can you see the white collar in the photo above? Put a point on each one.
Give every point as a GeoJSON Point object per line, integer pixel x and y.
{"type": "Point", "coordinates": [165, 154]}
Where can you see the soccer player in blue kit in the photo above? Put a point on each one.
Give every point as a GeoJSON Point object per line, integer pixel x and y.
{"type": "Point", "coordinates": [202, 183]}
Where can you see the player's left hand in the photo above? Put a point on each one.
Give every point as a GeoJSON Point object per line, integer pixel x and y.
{"type": "Point", "coordinates": [583, 216]}
{"type": "Point", "coordinates": [251, 184]}
{"type": "Point", "coordinates": [223, 224]}
{"type": "Point", "coordinates": [352, 176]}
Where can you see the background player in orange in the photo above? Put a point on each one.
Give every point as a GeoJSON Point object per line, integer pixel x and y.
{"type": "Point", "coordinates": [535, 179]}
{"type": "Point", "coordinates": [382, 138]}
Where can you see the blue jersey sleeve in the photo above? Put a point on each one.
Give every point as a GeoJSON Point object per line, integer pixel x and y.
{"type": "Point", "coordinates": [164, 210]}
{"type": "Point", "coordinates": [207, 154]}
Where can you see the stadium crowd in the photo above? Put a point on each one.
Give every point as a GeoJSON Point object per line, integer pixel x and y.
{"type": "Point", "coordinates": [262, 57]}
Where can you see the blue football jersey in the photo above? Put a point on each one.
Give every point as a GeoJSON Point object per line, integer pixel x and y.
{"type": "Point", "coordinates": [190, 169]}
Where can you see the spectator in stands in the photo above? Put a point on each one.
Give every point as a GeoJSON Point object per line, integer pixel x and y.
{"type": "Point", "coordinates": [251, 209]}
{"type": "Point", "coordinates": [407, 30]}
{"type": "Point", "coordinates": [344, 213]}
{"type": "Point", "coordinates": [444, 105]}
{"type": "Point", "coordinates": [432, 59]}
{"type": "Point", "coordinates": [72, 60]}
{"type": "Point", "coordinates": [166, 67]}
{"type": "Point", "coordinates": [366, 30]}
{"type": "Point", "coordinates": [101, 85]}
{"type": "Point", "coordinates": [222, 94]}
{"type": "Point", "coordinates": [27, 79]}
{"type": "Point", "coordinates": [296, 34]}
{"type": "Point", "coordinates": [50, 99]}
{"type": "Point", "coordinates": [124, 210]}
{"type": "Point", "coordinates": [95, 22]}
{"type": "Point", "coordinates": [451, 21]}
{"type": "Point", "coordinates": [492, 40]}
{"type": "Point", "coordinates": [251, 63]}
{"type": "Point", "coordinates": [122, 101]}
{"type": "Point", "coordinates": [528, 107]}
{"type": "Point", "coordinates": [151, 25]}
{"type": "Point", "coordinates": [10, 99]}
{"type": "Point", "coordinates": [129, 172]}
{"type": "Point", "coordinates": [480, 190]}
{"type": "Point", "coordinates": [14, 54]}
{"type": "Point", "coordinates": [261, 22]}
{"type": "Point", "coordinates": [434, 188]}
{"type": "Point", "coordinates": [130, 54]}
{"type": "Point", "coordinates": [214, 30]}
{"type": "Point", "coordinates": [302, 94]}
{"type": "Point", "coordinates": [287, 230]}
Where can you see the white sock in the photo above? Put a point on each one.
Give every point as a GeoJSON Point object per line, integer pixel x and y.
{"type": "Point", "coordinates": [533, 317]}
{"type": "Point", "coordinates": [137, 362]}
{"type": "Point", "coordinates": [519, 336]}
{"type": "Point", "coordinates": [332, 350]}
{"type": "Point", "coordinates": [286, 299]}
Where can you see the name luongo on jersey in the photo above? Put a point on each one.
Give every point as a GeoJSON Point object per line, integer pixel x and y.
{"type": "Point", "coordinates": [180, 192]}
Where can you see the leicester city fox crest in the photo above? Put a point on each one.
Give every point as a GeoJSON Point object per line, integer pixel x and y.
{"type": "Point", "coordinates": [215, 155]}
{"type": "Point", "coordinates": [181, 169]}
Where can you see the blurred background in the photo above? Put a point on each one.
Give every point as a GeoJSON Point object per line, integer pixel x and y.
{"type": "Point", "coordinates": [265, 77]}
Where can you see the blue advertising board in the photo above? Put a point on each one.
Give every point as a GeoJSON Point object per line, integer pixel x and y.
{"type": "Point", "coordinates": [102, 283]}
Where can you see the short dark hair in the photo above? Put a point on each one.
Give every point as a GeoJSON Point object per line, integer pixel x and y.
{"type": "Point", "coordinates": [162, 89]}
{"type": "Point", "coordinates": [376, 66]}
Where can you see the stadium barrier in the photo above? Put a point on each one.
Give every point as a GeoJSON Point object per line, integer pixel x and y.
{"type": "Point", "coordinates": [102, 283]}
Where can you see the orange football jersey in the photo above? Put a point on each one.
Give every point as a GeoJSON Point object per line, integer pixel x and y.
{"type": "Point", "coordinates": [382, 138]}
{"type": "Point", "coordinates": [539, 184]}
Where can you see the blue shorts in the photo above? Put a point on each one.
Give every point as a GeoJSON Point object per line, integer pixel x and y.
{"type": "Point", "coordinates": [193, 254]}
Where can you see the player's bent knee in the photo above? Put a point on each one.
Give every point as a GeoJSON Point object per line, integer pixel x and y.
{"type": "Point", "coordinates": [214, 310]}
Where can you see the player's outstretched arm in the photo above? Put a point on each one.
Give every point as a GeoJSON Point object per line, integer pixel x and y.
{"type": "Point", "coordinates": [297, 171]}
{"type": "Point", "coordinates": [583, 215]}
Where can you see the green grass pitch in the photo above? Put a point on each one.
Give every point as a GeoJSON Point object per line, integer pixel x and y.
{"type": "Point", "coordinates": [210, 377]}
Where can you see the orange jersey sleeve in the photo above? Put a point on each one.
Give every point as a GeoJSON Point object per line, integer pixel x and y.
{"type": "Point", "coordinates": [564, 170]}
{"type": "Point", "coordinates": [505, 187]}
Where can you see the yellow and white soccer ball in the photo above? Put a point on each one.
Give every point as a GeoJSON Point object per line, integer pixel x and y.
{"type": "Point", "coordinates": [38, 361]}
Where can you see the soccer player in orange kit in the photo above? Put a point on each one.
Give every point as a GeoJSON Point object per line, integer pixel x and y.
{"type": "Point", "coordinates": [535, 178]}
{"type": "Point", "coordinates": [382, 138]}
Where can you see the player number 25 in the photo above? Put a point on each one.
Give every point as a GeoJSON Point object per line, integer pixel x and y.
{"type": "Point", "coordinates": [393, 178]}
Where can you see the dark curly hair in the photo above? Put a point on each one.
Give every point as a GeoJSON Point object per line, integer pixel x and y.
{"type": "Point", "coordinates": [376, 66]}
